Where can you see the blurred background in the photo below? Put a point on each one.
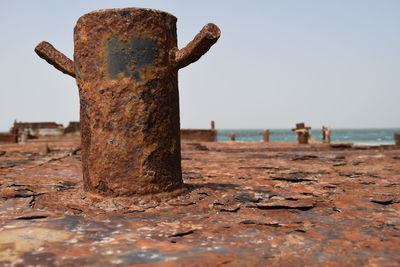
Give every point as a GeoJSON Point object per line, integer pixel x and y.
{"type": "Point", "coordinates": [277, 62]}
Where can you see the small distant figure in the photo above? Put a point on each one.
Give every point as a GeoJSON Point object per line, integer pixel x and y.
{"type": "Point", "coordinates": [303, 133]}
{"type": "Point", "coordinates": [326, 134]}
{"type": "Point", "coordinates": [265, 135]}
{"type": "Point", "coordinates": [397, 139]}
{"type": "Point", "coordinates": [213, 125]}
{"type": "Point", "coordinates": [232, 136]}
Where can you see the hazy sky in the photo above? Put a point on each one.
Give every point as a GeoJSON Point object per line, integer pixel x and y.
{"type": "Point", "coordinates": [277, 62]}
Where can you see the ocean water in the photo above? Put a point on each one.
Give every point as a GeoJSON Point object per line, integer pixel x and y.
{"type": "Point", "coordinates": [357, 136]}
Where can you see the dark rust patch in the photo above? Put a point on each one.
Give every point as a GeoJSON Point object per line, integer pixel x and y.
{"type": "Point", "coordinates": [129, 56]}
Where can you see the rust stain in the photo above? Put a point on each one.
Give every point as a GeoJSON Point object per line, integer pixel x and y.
{"type": "Point", "coordinates": [126, 64]}
{"type": "Point", "coordinates": [234, 211]}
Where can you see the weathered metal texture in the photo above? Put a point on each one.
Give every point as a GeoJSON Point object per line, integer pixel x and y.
{"type": "Point", "coordinates": [73, 127]}
{"type": "Point", "coordinates": [61, 62]}
{"type": "Point", "coordinates": [249, 204]}
{"type": "Point", "coordinates": [199, 135]}
{"type": "Point", "coordinates": [265, 135]}
{"type": "Point", "coordinates": [326, 134]}
{"type": "Point", "coordinates": [8, 137]}
{"type": "Point", "coordinates": [397, 139]}
{"type": "Point", "coordinates": [303, 133]}
{"type": "Point", "coordinates": [126, 65]}
{"type": "Point", "coordinates": [303, 137]}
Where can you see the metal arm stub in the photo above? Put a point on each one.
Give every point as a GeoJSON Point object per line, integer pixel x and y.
{"type": "Point", "coordinates": [201, 43]}
{"type": "Point", "coordinates": [54, 57]}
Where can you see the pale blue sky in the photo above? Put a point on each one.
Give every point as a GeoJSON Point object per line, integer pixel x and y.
{"type": "Point", "coordinates": [277, 62]}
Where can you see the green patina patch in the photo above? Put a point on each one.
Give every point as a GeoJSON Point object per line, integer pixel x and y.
{"type": "Point", "coordinates": [130, 56]}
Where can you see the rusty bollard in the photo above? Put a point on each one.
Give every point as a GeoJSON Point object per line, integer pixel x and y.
{"type": "Point", "coordinates": [303, 133]}
{"type": "Point", "coordinates": [214, 132]}
{"type": "Point", "coordinates": [126, 64]}
{"type": "Point", "coordinates": [265, 135]}
{"type": "Point", "coordinates": [326, 134]}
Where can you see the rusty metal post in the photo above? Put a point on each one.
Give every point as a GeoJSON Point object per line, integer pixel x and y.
{"type": "Point", "coordinates": [303, 133]}
{"type": "Point", "coordinates": [213, 125]}
{"type": "Point", "coordinates": [397, 139]}
{"type": "Point", "coordinates": [14, 131]}
{"type": "Point", "coordinates": [232, 136]}
{"type": "Point", "coordinates": [126, 64]}
{"type": "Point", "coordinates": [302, 137]}
{"type": "Point", "coordinates": [265, 135]}
{"type": "Point", "coordinates": [326, 134]}
{"type": "Point", "coordinates": [214, 132]}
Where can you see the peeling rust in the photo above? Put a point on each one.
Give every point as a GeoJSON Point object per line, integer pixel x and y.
{"type": "Point", "coordinates": [126, 64]}
{"type": "Point", "coordinates": [331, 220]}
{"type": "Point", "coordinates": [54, 57]}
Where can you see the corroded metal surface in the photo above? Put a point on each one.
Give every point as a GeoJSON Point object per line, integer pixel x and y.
{"type": "Point", "coordinates": [60, 61]}
{"type": "Point", "coordinates": [265, 135]}
{"type": "Point", "coordinates": [303, 133]}
{"type": "Point", "coordinates": [248, 204]}
{"type": "Point", "coordinates": [213, 125]}
{"type": "Point", "coordinates": [326, 134]}
{"type": "Point", "coordinates": [8, 137]}
{"type": "Point", "coordinates": [199, 135]}
{"type": "Point", "coordinates": [126, 64]}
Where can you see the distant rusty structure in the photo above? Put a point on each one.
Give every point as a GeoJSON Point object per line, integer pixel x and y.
{"type": "Point", "coordinates": [232, 136]}
{"type": "Point", "coordinates": [8, 138]}
{"type": "Point", "coordinates": [326, 134]}
{"type": "Point", "coordinates": [37, 129]}
{"type": "Point", "coordinates": [74, 127]}
{"type": "Point", "coordinates": [126, 64]}
{"type": "Point", "coordinates": [397, 139]}
{"type": "Point", "coordinates": [303, 133]}
{"type": "Point", "coordinates": [200, 135]}
{"type": "Point", "coordinates": [265, 135]}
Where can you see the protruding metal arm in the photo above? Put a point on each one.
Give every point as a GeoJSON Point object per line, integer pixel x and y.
{"type": "Point", "coordinates": [54, 57]}
{"type": "Point", "coordinates": [201, 43]}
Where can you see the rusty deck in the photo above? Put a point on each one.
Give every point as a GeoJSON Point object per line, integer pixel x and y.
{"type": "Point", "coordinates": [247, 204]}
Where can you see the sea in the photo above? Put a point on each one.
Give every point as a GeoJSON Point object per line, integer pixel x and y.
{"type": "Point", "coordinates": [383, 136]}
